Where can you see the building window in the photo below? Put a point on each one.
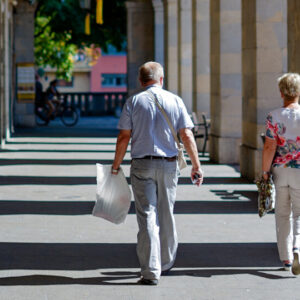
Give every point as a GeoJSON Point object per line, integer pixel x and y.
{"type": "Point", "coordinates": [65, 83]}
{"type": "Point", "coordinates": [113, 80]}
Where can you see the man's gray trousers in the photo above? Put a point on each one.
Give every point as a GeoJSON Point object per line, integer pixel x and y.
{"type": "Point", "coordinates": [154, 183]}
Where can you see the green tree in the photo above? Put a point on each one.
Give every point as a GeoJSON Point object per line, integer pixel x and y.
{"type": "Point", "coordinates": [60, 31]}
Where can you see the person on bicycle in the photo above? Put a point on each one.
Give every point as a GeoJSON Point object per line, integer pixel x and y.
{"type": "Point", "coordinates": [52, 95]}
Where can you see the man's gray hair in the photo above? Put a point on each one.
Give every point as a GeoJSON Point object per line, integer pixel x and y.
{"type": "Point", "coordinates": [150, 71]}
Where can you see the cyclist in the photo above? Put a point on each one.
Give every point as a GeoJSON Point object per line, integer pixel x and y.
{"type": "Point", "coordinates": [52, 96]}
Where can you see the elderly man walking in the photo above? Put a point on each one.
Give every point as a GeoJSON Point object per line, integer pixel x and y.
{"type": "Point", "coordinates": [154, 168]}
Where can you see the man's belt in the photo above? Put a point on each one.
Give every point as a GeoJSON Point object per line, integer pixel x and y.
{"type": "Point", "coordinates": [173, 158]}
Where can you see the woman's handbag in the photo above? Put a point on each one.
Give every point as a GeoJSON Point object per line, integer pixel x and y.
{"type": "Point", "coordinates": [181, 158]}
{"type": "Point", "coordinates": [266, 195]}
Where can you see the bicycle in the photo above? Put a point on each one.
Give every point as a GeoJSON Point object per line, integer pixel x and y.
{"type": "Point", "coordinates": [68, 114]}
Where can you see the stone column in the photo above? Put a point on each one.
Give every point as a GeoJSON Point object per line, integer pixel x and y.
{"type": "Point", "coordinates": [158, 31]}
{"type": "Point", "coordinates": [140, 39]}
{"type": "Point", "coordinates": [171, 45]}
{"type": "Point", "coordinates": [5, 69]}
{"type": "Point", "coordinates": [2, 10]}
{"type": "Point", "coordinates": [185, 56]}
{"type": "Point", "coordinates": [293, 35]}
{"type": "Point", "coordinates": [225, 80]}
{"type": "Point", "coordinates": [201, 56]}
{"type": "Point", "coordinates": [264, 58]}
{"type": "Point", "coordinates": [24, 53]}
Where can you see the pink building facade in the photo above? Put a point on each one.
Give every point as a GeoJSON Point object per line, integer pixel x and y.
{"type": "Point", "coordinates": [109, 74]}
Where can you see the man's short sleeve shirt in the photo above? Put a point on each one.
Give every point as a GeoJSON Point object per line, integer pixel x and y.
{"type": "Point", "coordinates": [151, 134]}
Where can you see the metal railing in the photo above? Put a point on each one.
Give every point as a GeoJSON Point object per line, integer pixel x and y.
{"type": "Point", "coordinates": [96, 104]}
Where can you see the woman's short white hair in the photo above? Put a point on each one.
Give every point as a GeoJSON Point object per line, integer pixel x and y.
{"type": "Point", "coordinates": [151, 71]}
{"type": "Point", "coordinates": [289, 85]}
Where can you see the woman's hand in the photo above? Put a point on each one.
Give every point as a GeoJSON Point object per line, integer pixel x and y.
{"type": "Point", "coordinates": [266, 175]}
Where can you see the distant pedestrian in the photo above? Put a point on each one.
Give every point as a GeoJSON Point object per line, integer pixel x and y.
{"type": "Point", "coordinates": [282, 152]}
{"type": "Point", "coordinates": [39, 94]}
{"type": "Point", "coordinates": [154, 167]}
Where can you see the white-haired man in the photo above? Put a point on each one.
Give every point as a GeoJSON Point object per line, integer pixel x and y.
{"type": "Point", "coordinates": [154, 168]}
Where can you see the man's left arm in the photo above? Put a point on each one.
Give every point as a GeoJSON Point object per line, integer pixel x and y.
{"type": "Point", "coordinates": [121, 147]}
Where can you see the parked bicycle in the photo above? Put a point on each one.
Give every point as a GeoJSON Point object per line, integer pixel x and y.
{"type": "Point", "coordinates": [68, 114]}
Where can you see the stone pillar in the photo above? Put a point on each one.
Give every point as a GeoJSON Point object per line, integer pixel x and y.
{"type": "Point", "coordinates": [140, 41]}
{"type": "Point", "coordinates": [264, 59]}
{"type": "Point", "coordinates": [2, 134]}
{"type": "Point", "coordinates": [201, 56]}
{"type": "Point", "coordinates": [158, 31]}
{"type": "Point", "coordinates": [24, 53]}
{"type": "Point", "coordinates": [171, 45]}
{"type": "Point", "coordinates": [185, 56]}
{"type": "Point", "coordinates": [5, 69]}
{"type": "Point", "coordinates": [226, 83]}
{"type": "Point", "coordinates": [293, 35]}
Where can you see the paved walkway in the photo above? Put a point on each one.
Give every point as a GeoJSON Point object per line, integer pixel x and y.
{"type": "Point", "coordinates": [52, 248]}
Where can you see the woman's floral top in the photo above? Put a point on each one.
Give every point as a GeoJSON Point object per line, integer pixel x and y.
{"type": "Point", "coordinates": [283, 125]}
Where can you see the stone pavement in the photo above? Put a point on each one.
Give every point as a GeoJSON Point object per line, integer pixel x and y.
{"type": "Point", "coordinates": [52, 248]}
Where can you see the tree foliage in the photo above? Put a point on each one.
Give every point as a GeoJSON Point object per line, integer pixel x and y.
{"type": "Point", "coordinates": [60, 32]}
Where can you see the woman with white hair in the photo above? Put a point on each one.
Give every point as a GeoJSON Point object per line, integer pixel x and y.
{"type": "Point", "coordinates": [282, 153]}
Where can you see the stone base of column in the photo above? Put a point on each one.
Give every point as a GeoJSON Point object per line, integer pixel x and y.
{"type": "Point", "coordinates": [250, 162]}
{"type": "Point", "coordinates": [224, 150]}
{"type": "Point", "coordinates": [24, 115]}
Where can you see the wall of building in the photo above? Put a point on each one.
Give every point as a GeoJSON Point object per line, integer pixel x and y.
{"type": "Point", "coordinates": [108, 64]}
{"type": "Point", "coordinates": [88, 78]}
{"type": "Point", "coordinates": [80, 82]}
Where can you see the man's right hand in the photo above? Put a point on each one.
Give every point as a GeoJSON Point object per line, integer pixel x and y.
{"type": "Point", "coordinates": [197, 176]}
{"type": "Point", "coordinates": [114, 170]}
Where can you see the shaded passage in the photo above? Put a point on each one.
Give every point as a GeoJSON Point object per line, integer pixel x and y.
{"type": "Point", "coordinates": [74, 208]}
{"type": "Point", "coordinates": [25, 161]}
{"type": "Point", "coordinates": [110, 278]}
{"type": "Point", "coordinates": [81, 256]}
{"type": "Point", "coordinates": [75, 180]}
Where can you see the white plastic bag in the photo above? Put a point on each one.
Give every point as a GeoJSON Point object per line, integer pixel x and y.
{"type": "Point", "coordinates": [113, 195]}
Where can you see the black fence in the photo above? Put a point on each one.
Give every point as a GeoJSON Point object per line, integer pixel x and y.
{"type": "Point", "coordinates": [96, 104]}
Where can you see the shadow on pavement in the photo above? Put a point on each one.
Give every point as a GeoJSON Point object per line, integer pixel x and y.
{"type": "Point", "coordinates": [111, 277]}
{"type": "Point", "coordinates": [92, 256]}
{"type": "Point", "coordinates": [58, 151]}
{"type": "Point", "coordinates": [9, 162]}
{"type": "Point", "coordinates": [75, 208]}
{"type": "Point", "coordinates": [30, 161]}
{"type": "Point", "coordinates": [64, 280]}
{"type": "Point", "coordinates": [75, 180]}
{"type": "Point", "coordinates": [65, 132]}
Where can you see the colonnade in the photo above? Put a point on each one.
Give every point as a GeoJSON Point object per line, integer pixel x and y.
{"type": "Point", "coordinates": [223, 57]}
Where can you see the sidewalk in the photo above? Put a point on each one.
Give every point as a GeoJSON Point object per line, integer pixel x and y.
{"type": "Point", "coordinates": [104, 126]}
{"type": "Point", "coordinates": [52, 248]}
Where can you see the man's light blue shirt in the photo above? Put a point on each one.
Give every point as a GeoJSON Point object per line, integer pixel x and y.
{"type": "Point", "coordinates": [151, 134]}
